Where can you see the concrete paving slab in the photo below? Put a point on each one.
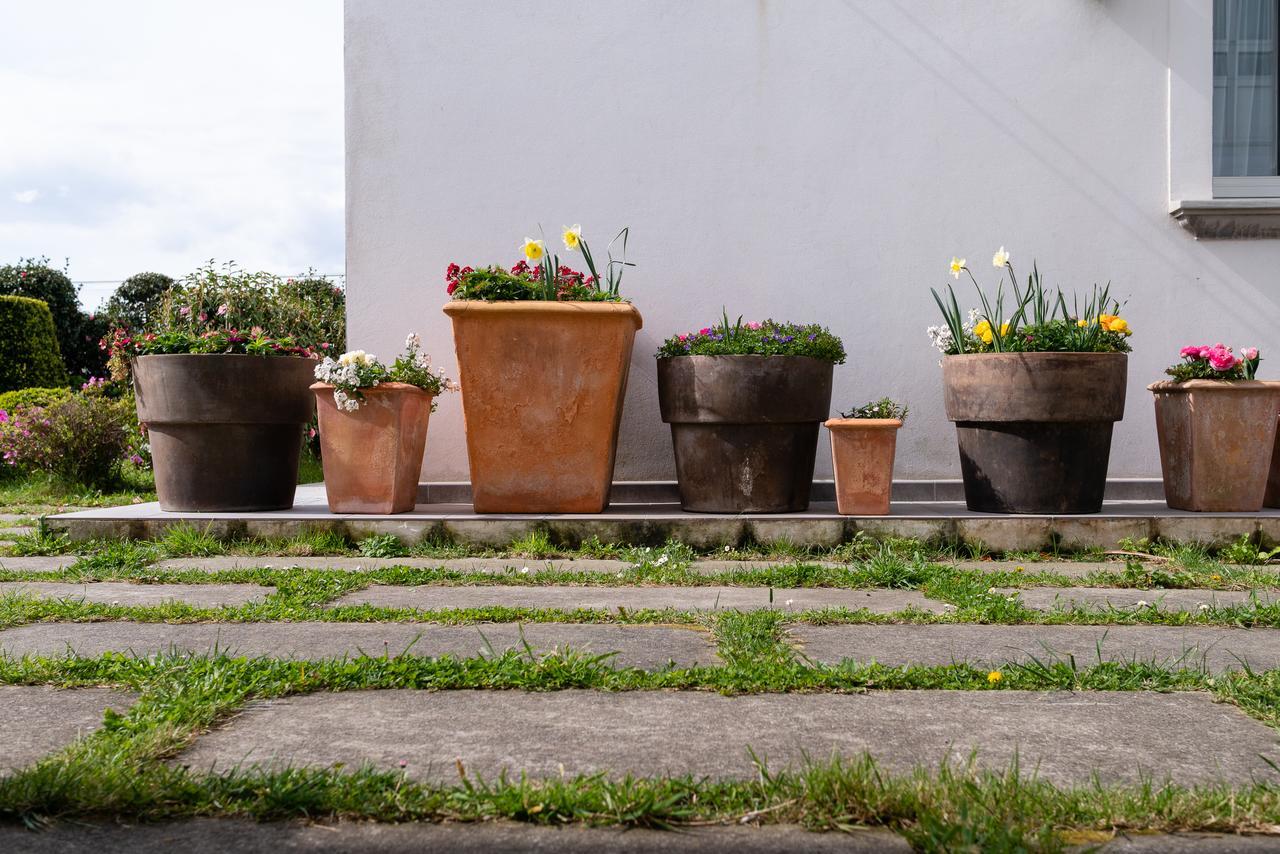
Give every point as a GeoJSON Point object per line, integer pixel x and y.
{"type": "Point", "coordinates": [649, 647]}
{"type": "Point", "coordinates": [1132, 599]}
{"type": "Point", "coordinates": [52, 563]}
{"type": "Point", "coordinates": [38, 720]}
{"type": "Point", "coordinates": [706, 598]}
{"type": "Point", "coordinates": [1188, 843]}
{"type": "Point", "coordinates": [1065, 737]}
{"type": "Point", "coordinates": [1071, 569]}
{"type": "Point", "coordinates": [215, 836]}
{"type": "Point", "coordinates": [1216, 649]}
{"type": "Point", "coordinates": [497, 566]}
{"type": "Point", "coordinates": [124, 593]}
{"type": "Point", "coordinates": [13, 532]}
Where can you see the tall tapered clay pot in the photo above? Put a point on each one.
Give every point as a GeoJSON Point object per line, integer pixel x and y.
{"type": "Point", "coordinates": [225, 430]}
{"type": "Point", "coordinates": [1216, 443]}
{"type": "Point", "coordinates": [1034, 429]}
{"type": "Point", "coordinates": [542, 391]}
{"type": "Point", "coordinates": [744, 429]}
{"type": "Point", "coordinates": [862, 451]}
{"type": "Point", "coordinates": [372, 455]}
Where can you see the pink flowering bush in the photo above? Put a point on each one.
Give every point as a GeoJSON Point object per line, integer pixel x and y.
{"type": "Point", "coordinates": [82, 439]}
{"type": "Point", "coordinates": [1215, 363]}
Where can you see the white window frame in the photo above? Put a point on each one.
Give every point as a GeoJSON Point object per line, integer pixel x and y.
{"type": "Point", "coordinates": [1241, 186]}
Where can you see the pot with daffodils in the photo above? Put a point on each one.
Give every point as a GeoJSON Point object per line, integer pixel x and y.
{"type": "Point", "coordinates": [1033, 394]}
{"type": "Point", "coordinates": [543, 357]}
{"type": "Point", "coordinates": [1217, 429]}
{"type": "Point", "coordinates": [373, 427]}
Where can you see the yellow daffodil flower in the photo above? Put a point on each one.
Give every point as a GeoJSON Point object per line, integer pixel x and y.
{"type": "Point", "coordinates": [983, 331]}
{"type": "Point", "coordinates": [1000, 258]}
{"type": "Point", "coordinates": [1082, 322]}
{"type": "Point", "coordinates": [533, 250]}
{"type": "Point", "coordinates": [994, 676]}
{"type": "Point", "coordinates": [572, 237]}
{"type": "Point", "coordinates": [957, 264]}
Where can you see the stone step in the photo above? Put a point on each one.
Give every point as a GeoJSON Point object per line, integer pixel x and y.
{"type": "Point", "coordinates": [1132, 599]}
{"type": "Point", "coordinates": [207, 835]}
{"type": "Point", "coordinates": [1064, 737]}
{"type": "Point", "coordinates": [487, 565]}
{"type": "Point", "coordinates": [438, 597]}
{"type": "Point", "coordinates": [1071, 569]}
{"type": "Point", "coordinates": [124, 593]}
{"type": "Point", "coordinates": [649, 647]}
{"type": "Point", "coordinates": [1193, 647]}
{"type": "Point", "coordinates": [39, 720]}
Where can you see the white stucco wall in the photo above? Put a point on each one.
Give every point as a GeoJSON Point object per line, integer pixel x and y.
{"type": "Point", "coordinates": [801, 159]}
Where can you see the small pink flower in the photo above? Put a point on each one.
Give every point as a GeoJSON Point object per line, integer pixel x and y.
{"type": "Point", "coordinates": [682, 337]}
{"type": "Point", "coordinates": [185, 311]}
{"type": "Point", "coordinates": [1190, 352]}
{"type": "Point", "coordinates": [222, 310]}
{"type": "Point", "coordinates": [311, 432]}
{"type": "Point", "coordinates": [1221, 358]}
{"type": "Point", "coordinates": [754, 325]}
{"type": "Point", "coordinates": [136, 460]}
{"type": "Point", "coordinates": [1251, 353]}
{"type": "Point", "coordinates": [4, 416]}
{"type": "Point", "coordinates": [706, 330]}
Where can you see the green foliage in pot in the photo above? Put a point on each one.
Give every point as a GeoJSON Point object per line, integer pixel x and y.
{"type": "Point", "coordinates": [77, 333]}
{"type": "Point", "coordinates": [541, 276]}
{"type": "Point", "coordinates": [1041, 321]}
{"type": "Point", "coordinates": [29, 353]}
{"type": "Point", "coordinates": [764, 338]}
{"type": "Point", "coordinates": [884, 408]}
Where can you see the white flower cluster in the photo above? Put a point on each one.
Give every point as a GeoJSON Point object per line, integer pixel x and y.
{"type": "Point", "coordinates": [345, 373]}
{"type": "Point", "coordinates": [941, 336]}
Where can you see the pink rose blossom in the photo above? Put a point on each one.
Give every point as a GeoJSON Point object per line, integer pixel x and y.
{"type": "Point", "coordinates": [706, 330]}
{"type": "Point", "coordinates": [1251, 353]}
{"type": "Point", "coordinates": [754, 325]}
{"type": "Point", "coordinates": [1190, 352]}
{"type": "Point", "coordinates": [1221, 358]}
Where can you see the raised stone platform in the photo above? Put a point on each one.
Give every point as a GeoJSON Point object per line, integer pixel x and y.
{"type": "Point", "coordinates": [655, 523]}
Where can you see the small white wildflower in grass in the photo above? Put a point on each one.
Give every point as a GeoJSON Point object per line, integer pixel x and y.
{"type": "Point", "coordinates": [789, 602]}
{"type": "Point", "coordinates": [727, 549]}
{"type": "Point", "coordinates": [1142, 603]}
{"type": "Point", "coordinates": [661, 561]}
{"type": "Point", "coordinates": [524, 570]}
{"type": "Point", "coordinates": [619, 574]}
{"type": "Point", "coordinates": [1204, 607]}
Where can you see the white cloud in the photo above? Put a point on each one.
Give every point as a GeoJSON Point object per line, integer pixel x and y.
{"type": "Point", "coordinates": [160, 135]}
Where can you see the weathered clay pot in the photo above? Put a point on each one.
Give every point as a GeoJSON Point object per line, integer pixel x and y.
{"type": "Point", "coordinates": [1216, 443]}
{"type": "Point", "coordinates": [745, 429]}
{"type": "Point", "coordinates": [862, 452]}
{"type": "Point", "coordinates": [1034, 429]}
{"type": "Point", "coordinates": [373, 455]}
{"type": "Point", "coordinates": [542, 391]}
{"type": "Point", "coordinates": [225, 430]}
{"type": "Point", "coordinates": [1272, 498]}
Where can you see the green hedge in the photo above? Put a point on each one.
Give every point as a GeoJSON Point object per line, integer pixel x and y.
{"type": "Point", "coordinates": [12, 400]}
{"type": "Point", "coordinates": [29, 354]}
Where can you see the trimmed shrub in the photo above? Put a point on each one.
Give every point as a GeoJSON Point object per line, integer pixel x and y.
{"type": "Point", "coordinates": [137, 301]}
{"type": "Point", "coordinates": [82, 439]}
{"type": "Point", "coordinates": [12, 400]}
{"type": "Point", "coordinates": [29, 354]}
{"type": "Point", "coordinates": [78, 333]}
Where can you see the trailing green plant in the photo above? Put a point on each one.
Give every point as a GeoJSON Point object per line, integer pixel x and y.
{"type": "Point", "coordinates": [767, 338]}
{"type": "Point", "coordinates": [382, 545]}
{"type": "Point", "coordinates": [137, 301]}
{"type": "Point", "coordinates": [541, 276]}
{"type": "Point", "coordinates": [1215, 363]}
{"type": "Point", "coordinates": [1041, 320]}
{"type": "Point", "coordinates": [29, 353]}
{"type": "Point", "coordinates": [77, 333]}
{"type": "Point", "coordinates": [884, 408]}
{"type": "Point", "coordinates": [353, 373]}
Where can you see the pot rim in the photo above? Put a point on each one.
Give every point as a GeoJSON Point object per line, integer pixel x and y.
{"type": "Point", "coordinates": [743, 356]}
{"type": "Point", "coordinates": [1070, 354]}
{"type": "Point", "coordinates": [264, 358]}
{"type": "Point", "coordinates": [572, 308]}
{"type": "Point", "coordinates": [1171, 387]}
{"type": "Point", "coordinates": [377, 389]}
{"type": "Point", "coordinates": [863, 423]}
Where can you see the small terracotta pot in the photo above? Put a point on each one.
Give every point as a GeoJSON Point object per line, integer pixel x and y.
{"type": "Point", "coordinates": [1216, 443]}
{"type": "Point", "coordinates": [372, 456]}
{"type": "Point", "coordinates": [1272, 498]}
{"type": "Point", "coordinates": [542, 391]}
{"type": "Point", "coordinates": [862, 452]}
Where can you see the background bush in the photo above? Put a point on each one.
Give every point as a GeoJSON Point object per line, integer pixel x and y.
{"type": "Point", "coordinates": [309, 308]}
{"type": "Point", "coordinates": [136, 303]}
{"type": "Point", "coordinates": [82, 439]}
{"type": "Point", "coordinates": [77, 333]}
{"type": "Point", "coordinates": [12, 400]}
{"type": "Point", "coordinates": [29, 353]}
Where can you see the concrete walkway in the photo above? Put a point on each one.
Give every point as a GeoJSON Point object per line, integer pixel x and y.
{"type": "Point", "coordinates": [39, 720]}
{"type": "Point", "coordinates": [1130, 599]}
{"type": "Point", "coordinates": [1063, 737]}
{"type": "Point", "coordinates": [122, 593]}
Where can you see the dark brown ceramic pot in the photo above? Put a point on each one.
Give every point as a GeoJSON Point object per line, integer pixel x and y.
{"type": "Point", "coordinates": [1034, 429]}
{"type": "Point", "coordinates": [542, 390]}
{"type": "Point", "coordinates": [225, 430]}
{"type": "Point", "coordinates": [373, 455]}
{"type": "Point", "coordinates": [1216, 443]}
{"type": "Point", "coordinates": [745, 429]}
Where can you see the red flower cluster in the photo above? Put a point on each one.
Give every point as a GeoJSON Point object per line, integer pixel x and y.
{"type": "Point", "coordinates": [452, 275]}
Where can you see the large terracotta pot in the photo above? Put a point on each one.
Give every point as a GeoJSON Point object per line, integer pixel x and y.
{"type": "Point", "coordinates": [373, 455]}
{"type": "Point", "coordinates": [225, 430]}
{"type": "Point", "coordinates": [1216, 443]}
{"type": "Point", "coordinates": [1034, 429]}
{"type": "Point", "coordinates": [744, 429]}
{"type": "Point", "coordinates": [862, 452]}
{"type": "Point", "coordinates": [542, 391]}
{"type": "Point", "coordinates": [1272, 498]}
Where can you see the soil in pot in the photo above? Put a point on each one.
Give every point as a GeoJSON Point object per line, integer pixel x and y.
{"type": "Point", "coordinates": [862, 451]}
{"type": "Point", "coordinates": [372, 455]}
{"type": "Point", "coordinates": [225, 430]}
{"type": "Point", "coordinates": [744, 429]}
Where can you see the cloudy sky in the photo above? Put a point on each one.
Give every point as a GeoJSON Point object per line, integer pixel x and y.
{"type": "Point", "coordinates": [157, 135]}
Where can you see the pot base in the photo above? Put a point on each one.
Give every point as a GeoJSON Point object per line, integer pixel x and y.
{"type": "Point", "coordinates": [226, 468]}
{"type": "Point", "coordinates": [1033, 467]}
{"type": "Point", "coordinates": [745, 468]}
